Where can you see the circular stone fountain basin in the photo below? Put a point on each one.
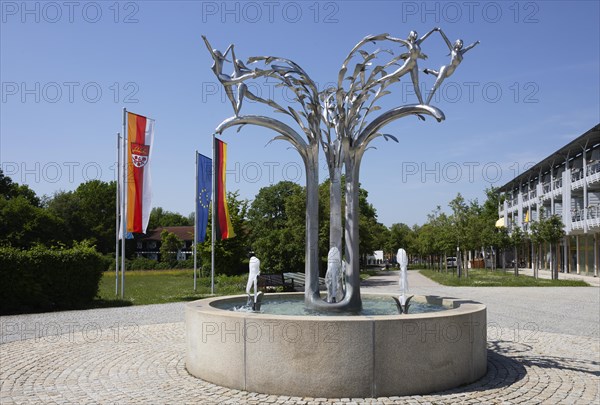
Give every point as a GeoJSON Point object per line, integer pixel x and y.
{"type": "Point", "coordinates": [336, 356]}
{"type": "Point", "coordinates": [282, 304]}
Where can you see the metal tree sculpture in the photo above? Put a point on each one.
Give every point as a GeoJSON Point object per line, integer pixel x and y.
{"type": "Point", "coordinates": [336, 120]}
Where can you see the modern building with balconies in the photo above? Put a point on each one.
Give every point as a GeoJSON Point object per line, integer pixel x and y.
{"type": "Point", "coordinates": [567, 184]}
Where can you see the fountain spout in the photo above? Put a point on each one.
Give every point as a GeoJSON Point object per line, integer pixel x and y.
{"type": "Point", "coordinates": [402, 302]}
{"type": "Point", "coordinates": [255, 300]}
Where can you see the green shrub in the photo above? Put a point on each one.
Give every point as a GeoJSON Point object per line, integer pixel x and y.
{"type": "Point", "coordinates": [140, 263]}
{"type": "Point", "coordinates": [163, 266]}
{"type": "Point", "coordinates": [42, 279]}
{"type": "Point", "coordinates": [187, 264]}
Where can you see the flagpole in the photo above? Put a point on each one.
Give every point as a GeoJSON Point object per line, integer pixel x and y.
{"type": "Point", "coordinates": [117, 213]}
{"type": "Point", "coordinates": [196, 225]}
{"type": "Point", "coordinates": [124, 206]}
{"type": "Point", "coordinates": [213, 228]}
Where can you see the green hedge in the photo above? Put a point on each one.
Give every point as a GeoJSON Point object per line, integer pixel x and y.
{"type": "Point", "coordinates": [142, 263]}
{"type": "Point", "coordinates": [42, 279]}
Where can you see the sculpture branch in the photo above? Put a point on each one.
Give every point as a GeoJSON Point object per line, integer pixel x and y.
{"type": "Point", "coordinates": [371, 131]}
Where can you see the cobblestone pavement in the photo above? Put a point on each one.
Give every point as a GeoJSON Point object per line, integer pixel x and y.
{"type": "Point", "coordinates": [146, 365]}
{"type": "Point", "coordinates": [101, 356]}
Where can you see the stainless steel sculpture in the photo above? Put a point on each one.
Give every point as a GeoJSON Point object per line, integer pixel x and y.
{"type": "Point", "coordinates": [402, 302]}
{"type": "Point", "coordinates": [254, 301]}
{"type": "Point", "coordinates": [333, 277]}
{"type": "Point", "coordinates": [334, 119]}
{"type": "Point", "coordinates": [456, 57]}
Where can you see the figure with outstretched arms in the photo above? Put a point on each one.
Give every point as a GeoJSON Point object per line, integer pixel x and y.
{"type": "Point", "coordinates": [240, 70]}
{"type": "Point", "coordinates": [413, 43]}
{"type": "Point", "coordinates": [240, 73]}
{"type": "Point", "coordinates": [456, 56]}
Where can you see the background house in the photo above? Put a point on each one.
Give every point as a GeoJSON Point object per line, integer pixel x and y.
{"type": "Point", "coordinates": [148, 245]}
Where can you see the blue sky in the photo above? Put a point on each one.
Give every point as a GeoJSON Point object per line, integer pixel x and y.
{"type": "Point", "coordinates": [68, 69]}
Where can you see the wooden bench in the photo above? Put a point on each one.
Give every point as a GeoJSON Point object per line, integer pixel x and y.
{"type": "Point", "coordinates": [271, 281]}
{"type": "Point", "coordinates": [300, 280]}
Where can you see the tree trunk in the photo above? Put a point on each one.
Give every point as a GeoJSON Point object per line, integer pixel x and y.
{"type": "Point", "coordinates": [516, 261]}
{"type": "Point", "coordinates": [335, 208]}
{"type": "Point", "coordinates": [311, 269]}
{"type": "Point", "coordinates": [552, 273]}
{"type": "Point", "coordinates": [534, 262]}
{"type": "Point", "coordinates": [351, 230]}
{"type": "Point", "coordinates": [555, 247]}
{"type": "Point", "coordinates": [352, 300]}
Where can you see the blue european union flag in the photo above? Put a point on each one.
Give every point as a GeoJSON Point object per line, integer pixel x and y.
{"type": "Point", "coordinates": [204, 176]}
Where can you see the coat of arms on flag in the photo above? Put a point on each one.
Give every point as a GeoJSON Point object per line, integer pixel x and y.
{"type": "Point", "coordinates": [139, 154]}
{"type": "Point", "coordinates": [140, 134]}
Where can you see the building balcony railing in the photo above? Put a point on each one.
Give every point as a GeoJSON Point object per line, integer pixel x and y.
{"type": "Point", "coordinates": [593, 212]}
{"type": "Point", "coordinates": [593, 168]}
{"type": "Point", "coordinates": [557, 184]}
{"type": "Point", "coordinates": [593, 172]}
{"type": "Point", "coordinates": [525, 196]}
{"type": "Point", "coordinates": [533, 194]}
{"type": "Point", "coordinates": [577, 215]}
{"type": "Point", "coordinates": [546, 187]}
{"type": "Point", "coordinates": [576, 174]}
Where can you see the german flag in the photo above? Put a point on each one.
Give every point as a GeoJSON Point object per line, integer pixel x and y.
{"type": "Point", "coordinates": [223, 227]}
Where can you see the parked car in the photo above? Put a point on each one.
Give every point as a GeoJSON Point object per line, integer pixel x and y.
{"type": "Point", "coordinates": [451, 261]}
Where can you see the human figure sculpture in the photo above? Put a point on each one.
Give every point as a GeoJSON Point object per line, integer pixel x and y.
{"type": "Point", "coordinates": [240, 70]}
{"type": "Point", "coordinates": [333, 277]}
{"type": "Point", "coordinates": [240, 73]}
{"type": "Point", "coordinates": [402, 302]}
{"type": "Point", "coordinates": [254, 270]}
{"type": "Point", "coordinates": [410, 60]}
{"type": "Point", "coordinates": [456, 56]}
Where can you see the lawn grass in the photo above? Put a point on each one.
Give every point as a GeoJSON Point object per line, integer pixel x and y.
{"type": "Point", "coordinates": [498, 278]}
{"type": "Point", "coordinates": [162, 286]}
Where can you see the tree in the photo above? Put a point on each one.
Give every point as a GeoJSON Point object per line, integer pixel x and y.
{"type": "Point", "coordinates": [88, 213]}
{"type": "Point", "coordinates": [277, 227]}
{"type": "Point", "coordinates": [23, 222]}
{"type": "Point", "coordinates": [24, 225]}
{"type": "Point", "coordinates": [9, 190]}
{"type": "Point", "coordinates": [169, 246]}
{"type": "Point", "coordinates": [490, 235]}
{"type": "Point", "coordinates": [553, 233]}
{"type": "Point", "coordinates": [160, 217]}
{"type": "Point", "coordinates": [399, 237]}
{"type": "Point", "coordinates": [550, 230]}
{"type": "Point", "coordinates": [231, 255]}
{"type": "Point", "coordinates": [459, 219]}
{"type": "Point", "coordinates": [517, 236]}
{"type": "Point", "coordinates": [373, 234]}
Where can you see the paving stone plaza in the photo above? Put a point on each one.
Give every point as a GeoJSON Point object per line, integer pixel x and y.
{"type": "Point", "coordinates": [544, 347]}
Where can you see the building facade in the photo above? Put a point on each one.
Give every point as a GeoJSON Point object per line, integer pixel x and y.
{"type": "Point", "coordinates": [148, 246]}
{"type": "Point", "coordinates": [567, 184]}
